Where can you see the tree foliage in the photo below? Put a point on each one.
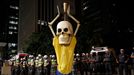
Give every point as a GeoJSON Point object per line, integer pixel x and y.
{"type": "Point", "coordinates": [39, 42]}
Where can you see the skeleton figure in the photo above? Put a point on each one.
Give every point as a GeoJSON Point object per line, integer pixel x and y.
{"type": "Point", "coordinates": [65, 32]}
{"type": "Point", "coordinates": [64, 28]}
{"type": "Point", "coordinates": [64, 41]}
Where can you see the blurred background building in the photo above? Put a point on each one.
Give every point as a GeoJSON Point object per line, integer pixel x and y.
{"type": "Point", "coordinates": [9, 26]}
{"type": "Point", "coordinates": [34, 16]}
{"type": "Point", "coordinates": [103, 23]}
{"type": "Point", "coordinates": [106, 23]}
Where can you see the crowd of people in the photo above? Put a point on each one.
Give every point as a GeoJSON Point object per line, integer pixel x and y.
{"type": "Point", "coordinates": [33, 65]}
{"type": "Point", "coordinates": [94, 63]}
{"type": "Point", "coordinates": [106, 64]}
{"type": "Point", "coordinates": [84, 64]}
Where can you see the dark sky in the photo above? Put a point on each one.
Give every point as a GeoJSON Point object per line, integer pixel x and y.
{"type": "Point", "coordinates": [124, 12]}
{"type": "Point", "coordinates": [3, 13]}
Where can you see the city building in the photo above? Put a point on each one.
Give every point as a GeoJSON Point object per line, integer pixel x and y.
{"type": "Point", "coordinates": [13, 24]}
{"type": "Point", "coordinates": [9, 27]}
{"type": "Point", "coordinates": [107, 23]}
{"type": "Point", "coordinates": [34, 15]}
{"type": "Point", "coordinates": [102, 22]}
{"type": "Point", "coordinates": [3, 27]}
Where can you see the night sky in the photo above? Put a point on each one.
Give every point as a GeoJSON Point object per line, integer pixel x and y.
{"type": "Point", "coordinates": [126, 23]}
{"type": "Point", "coordinates": [124, 12]}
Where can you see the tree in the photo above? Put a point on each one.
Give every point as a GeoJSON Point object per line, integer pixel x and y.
{"type": "Point", "coordinates": [39, 42]}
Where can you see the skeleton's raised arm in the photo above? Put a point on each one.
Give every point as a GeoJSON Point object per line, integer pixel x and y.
{"type": "Point", "coordinates": [51, 23]}
{"type": "Point", "coordinates": [78, 23]}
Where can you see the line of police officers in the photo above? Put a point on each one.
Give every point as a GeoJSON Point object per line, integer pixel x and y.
{"type": "Point", "coordinates": [84, 64]}
{"type": "Point", "coordinates": [104, 64]}
{"type": "Point", "coordinates": [39, 65]}
{"type": "Point", "coordinates": [94, 63]}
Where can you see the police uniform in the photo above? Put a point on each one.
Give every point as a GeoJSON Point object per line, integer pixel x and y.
{"type": "Point", "coordinates": [23, 67]}
{"type": "Point", "coordinates": [122, 60]}
{"type": "Point", "coordinates": [16, 67]}
{"type": "Point", "coordinates": [45, 64]}
{"type": "Point", "coordinates": [92, 63]}
{"type": "Point", "coordinates": [98, 61]}
{"type": "Point", "coordinates": [31, 64]}
{"type": "Point", "coordinates": [77, 63]}
{"type": "Point", "coordinates": [108, 63]}
{"type": "Point", "coordinates": [75, 68]}
{"type": "Point", "coordinates": [132, 58]}
{"type": "Point", "coordinates": [38, 65]}
{"type": "Point", "coordinates": [83, 65]}
{"type": "Point", "coordinates": [12, 66]}
{"type": "Point", "coordinates": [53, 65]}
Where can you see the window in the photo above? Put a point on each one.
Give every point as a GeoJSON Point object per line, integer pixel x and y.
{"type": "Point", "coordinates": [10, 32]}
{"type": "Point", "coordinates": [12, 45]}
{"type": "Point", "coordinates": [11, 27]}
{"type": "Point", "coordinates": [13, 22]}
{"type": "Point", "coordinates": [15, 28]}
{"type": "Point", "coordinates": [85, 8]}
{"type": "Point", "coordinates": [13, 17]}
{"type": "Point", "coordinates": [14, 7]}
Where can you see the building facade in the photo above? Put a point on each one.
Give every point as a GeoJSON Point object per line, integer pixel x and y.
{"type": "Point", "coordinates": [13, 24]}
{"type": "Point", "coordinates": [107, 23]}
{"type": "Point", "coordinates": [9, 27]}
{"type": "Point", "coordinates": [34, 15]}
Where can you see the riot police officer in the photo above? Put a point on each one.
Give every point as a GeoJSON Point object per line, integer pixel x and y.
{"type": "Point", "coordinates": [74, 70]}
{"type": "Point", "coordinates": [11, 63]}
{"type": "Point", "coordinates": [98, 63]}
{"type": "Point", "coordinates": [31, 69]}
{"type": "Point", "coordinates": [132, 58]}
{"type": "Point", "coordinates": [16, 65]}
{"type": "Point", "coordinates": [78, 65]}
{"type": "Point", "coordinates": [53, 65]}
{"type": "Point", "coordinates": [38, 64]}
{"type": "Point", "coordinates": [45, 64]}
{"type": "Point", "coordinates": [23, 66]}
{"type": "Point", "coordinates": [108, 63]}
{"type": "Point", "coordinates": [123, 60]}
{"type": "Point", "coordinates": [83, 65]}
{"type": "Point", "coordinates": [92, 63]}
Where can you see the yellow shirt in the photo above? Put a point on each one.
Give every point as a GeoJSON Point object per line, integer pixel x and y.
{"type": "Point", "coordinates": [65, 55]}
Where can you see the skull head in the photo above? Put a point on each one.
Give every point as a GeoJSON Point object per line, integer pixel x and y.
{"type": "Point", "coordinates": [65, 32]}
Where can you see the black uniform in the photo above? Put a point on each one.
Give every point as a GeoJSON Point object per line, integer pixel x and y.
{"type": "Point", "coordinates": [132, 58]}
{"type": "Point", "coordinates": [98, 65]}
{"type": "Point", "coordinates": [23, 68]}
{"type": "Point", "coordinates": [80, 66]}
{"type": "Point", "coordinates": [92, 64]}
{"type": "Point", "coordinates": [108, 63]}
{"type": "Point", "coordinates": [123, 58]}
